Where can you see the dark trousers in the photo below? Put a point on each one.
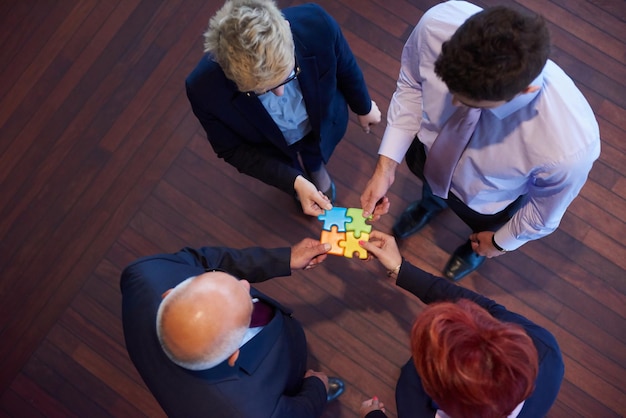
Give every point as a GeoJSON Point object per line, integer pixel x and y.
{"type": "Point", "coordinates": [416, 158]}
{"type": "Point", "coordinates": [308, 148]}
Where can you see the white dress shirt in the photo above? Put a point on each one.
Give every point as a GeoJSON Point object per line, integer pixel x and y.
{"type": "Point", "coordinates": [514, 414]}
{"type": "Point", "coordinates": [540, 144]}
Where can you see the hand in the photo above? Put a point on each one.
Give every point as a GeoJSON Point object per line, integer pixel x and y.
{"type": "Point", "coordinates": [308, 253]}
{"type": "Point", "coordinates": [321, 376]}
{"type": "Point", "coordinates": [373, 200]}
{"type": "Point", "coordinates": [482, 244]}
{"type": "Point", "coordinates": [371, 405]}
{"type": "Point", "coordinates": [313, 201]}
{"type": "Point", "coordinates": [372, 118]}
{"type": "Point", "coordinates": [384, 248]}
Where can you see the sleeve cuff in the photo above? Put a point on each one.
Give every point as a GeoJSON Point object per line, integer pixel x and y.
{"type": "Point", "coordinates": [506, 240]}
{"type": "Point", "coordinates": [395, 143]}
{"type": "Point", "coordinates": [376, 414]}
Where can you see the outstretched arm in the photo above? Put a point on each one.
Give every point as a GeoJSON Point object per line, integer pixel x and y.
{"type": "Point", "coordinates": [308, 253]}
{"type": "Point", "coordinates": [373, 199]}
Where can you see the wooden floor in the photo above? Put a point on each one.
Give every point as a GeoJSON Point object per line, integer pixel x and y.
{"type": "Point", "coordinates": [102, 161]}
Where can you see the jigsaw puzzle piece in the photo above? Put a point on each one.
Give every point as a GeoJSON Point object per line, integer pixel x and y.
{"type": "Point", "coordinates": [335, 216]}
{"type": "Point", "coordinates": [333, 237]}
{"type": "Point", "coordinates": [357, 225]}
{"type": "Point", "coordinates": [351, 245]}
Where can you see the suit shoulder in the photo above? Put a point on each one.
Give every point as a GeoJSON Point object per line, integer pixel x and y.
{"type": "Point", "coordinates": [310, 17]}
{"type": "Point", "coordinates": [148, 261]}
{"type": "Point", "coordinates": [206, 71]}
{"type": "Point", "coordinates": [304, 10]}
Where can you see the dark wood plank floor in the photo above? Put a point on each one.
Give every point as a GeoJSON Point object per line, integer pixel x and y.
{"type": "Point", "coordinates": [102, 161]}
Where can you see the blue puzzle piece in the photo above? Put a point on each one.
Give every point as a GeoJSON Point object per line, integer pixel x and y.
{"type": "Point", "coordinates": [358, 224]}
{"type": "Point", "coordinates": [335, 216]}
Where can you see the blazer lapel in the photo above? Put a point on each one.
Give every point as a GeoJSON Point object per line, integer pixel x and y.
{"type": "Point", "coordinates": [309, 85]}
{"type": "Point", "coordinates": [251, 109]}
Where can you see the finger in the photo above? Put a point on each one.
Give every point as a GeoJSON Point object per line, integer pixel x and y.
{"type": "Point", "coordinates": [316, 254]}
{"type": "Point", "coordinates": [370, 247]}
{"type": "Point", "coordinates": [369, 207]}
{"type": "Point", "coordinates": [322, 201]}
{"type": "Point", "coordinates": [323, 248]}
{"type": "Point", "coordinates": [309, 208]}
{"type": "Point", "coordinates": [378, 235]}
{"type": "Point", "coordinates": [313, 208]}
{"type": "Point", "coordinates": [382, 208]}
{"type": "Point", "coordinates": [320, 258]}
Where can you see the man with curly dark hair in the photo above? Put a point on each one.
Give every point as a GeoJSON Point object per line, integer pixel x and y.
{"type": "Point", "coordinates": [495, 130]}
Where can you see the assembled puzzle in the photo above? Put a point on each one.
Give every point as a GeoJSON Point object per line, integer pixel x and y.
{"type": "Point", "coordinates": [343, 229]}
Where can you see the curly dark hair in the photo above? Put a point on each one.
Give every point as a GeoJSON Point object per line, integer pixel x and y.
{"type": "Point", "coordinates": [495, 54]}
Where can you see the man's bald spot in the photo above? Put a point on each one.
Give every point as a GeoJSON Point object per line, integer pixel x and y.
{"type": "Point", "coordinates": [200, 316]}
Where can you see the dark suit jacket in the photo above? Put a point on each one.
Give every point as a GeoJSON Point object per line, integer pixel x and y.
{"type": "Point", "coordinates": [411, 399]}
{"type": "Point", "coordinates": [243, 133]}
{"type": "Point", "coordinates": [267, 379]}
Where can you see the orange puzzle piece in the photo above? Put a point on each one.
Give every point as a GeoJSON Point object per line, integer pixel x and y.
{"type": "Point", "coordinates": [333, 237]}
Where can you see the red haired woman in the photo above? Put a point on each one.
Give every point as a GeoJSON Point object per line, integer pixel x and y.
{"type": "Point", "coordinates": [471, 357]}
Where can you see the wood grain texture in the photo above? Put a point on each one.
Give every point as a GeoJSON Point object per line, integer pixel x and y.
{"type": "Point", "coordinates": [102, 162]}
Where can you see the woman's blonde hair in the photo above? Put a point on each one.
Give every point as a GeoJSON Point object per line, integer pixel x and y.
{"type": "Point", "coordinates": [251, 41]}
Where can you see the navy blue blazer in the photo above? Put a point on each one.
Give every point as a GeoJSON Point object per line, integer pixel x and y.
{"type": "Point", "coordinates": [242, 132]}
{"type": "Point", "coordinates": [412, 401]}
{"type": "Point", "coordinates": [268, 377]}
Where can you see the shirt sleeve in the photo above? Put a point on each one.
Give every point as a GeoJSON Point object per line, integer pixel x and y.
{"type": "Point", "coordinates": [376, 414]}
{"type": "Point", "coordinates": [551, 192]}
{"type": "Point", "coordinates": [405, 109]}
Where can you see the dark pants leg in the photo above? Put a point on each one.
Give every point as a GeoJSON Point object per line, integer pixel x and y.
{"type": "Point", "coordinates": [310, 153]}
{"type": "Point", "coordinates": [416, 158]}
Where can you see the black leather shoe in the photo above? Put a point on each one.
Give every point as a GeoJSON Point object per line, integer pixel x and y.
{"type": "Point", "coordinates": [463, 262]}
{"type": "Point", "coordinates": [414, 218]}
{"type": "Point", "coordinates": [331, 193]}
{"type": "Point", "coordinates": [335, 388]}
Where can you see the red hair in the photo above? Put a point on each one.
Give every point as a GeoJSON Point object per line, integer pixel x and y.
{"type": "Point", "coordinates": [471, 364]}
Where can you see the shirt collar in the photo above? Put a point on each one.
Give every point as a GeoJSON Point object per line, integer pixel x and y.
{"type": "Point", "coordinates": [518, 101]}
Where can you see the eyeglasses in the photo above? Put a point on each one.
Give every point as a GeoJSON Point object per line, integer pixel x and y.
{"type": "Point", "coordinates": [294, 74]}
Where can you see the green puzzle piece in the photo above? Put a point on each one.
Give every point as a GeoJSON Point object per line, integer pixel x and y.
{"type": "Point", "coordinates": [358, 224]}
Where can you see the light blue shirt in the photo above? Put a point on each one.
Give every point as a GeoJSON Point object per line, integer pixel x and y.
{"type": "Point", "coordinates": [540, 144]}
{"type": "Point", "coordinates": [288, 112]}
